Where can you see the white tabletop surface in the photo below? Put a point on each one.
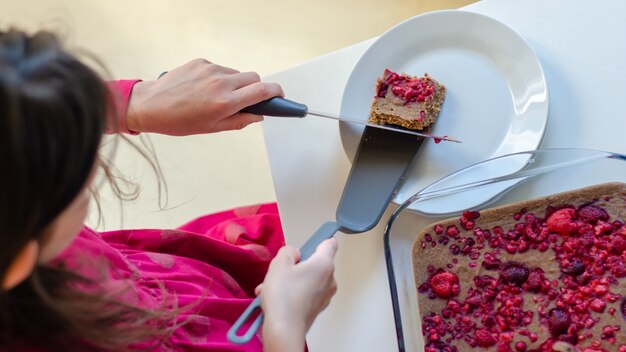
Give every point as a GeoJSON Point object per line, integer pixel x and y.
{"type": "Point", "coordinates": [581, 47]}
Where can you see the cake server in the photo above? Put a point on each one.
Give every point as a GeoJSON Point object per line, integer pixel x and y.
{"type": "Point", "coordinates": [379, 168]}
{"type": "Point", "coordinates": [281, 107]}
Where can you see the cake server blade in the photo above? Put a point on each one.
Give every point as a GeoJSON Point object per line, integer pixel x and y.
{"type": "Point", "coordinates": [379, 169]}
{"type": "Point", "coordinates": [281, 107]}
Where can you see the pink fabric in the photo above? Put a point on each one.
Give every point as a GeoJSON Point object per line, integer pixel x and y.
{"type": "Point", "coordinates": [121, 91]}
{"type": "Point", "coordinates": [215, 261]}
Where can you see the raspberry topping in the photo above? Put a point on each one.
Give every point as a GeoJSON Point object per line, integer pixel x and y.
{"type": "Point", "coordinates": [405, 87]}
{"type": "Point", "coordinates": [496, 308]}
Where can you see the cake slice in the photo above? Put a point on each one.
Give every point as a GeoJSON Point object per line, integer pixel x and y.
{"type": "Point", "coordinates": [407, 101]}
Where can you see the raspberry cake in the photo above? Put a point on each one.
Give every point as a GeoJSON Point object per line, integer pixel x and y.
{"type": "Point", "coordinates": [540, 275]}
{"type": "Point", "coordinates": [407, 101]}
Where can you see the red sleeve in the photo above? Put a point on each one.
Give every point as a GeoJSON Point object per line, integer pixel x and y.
{"type": "Point", "coordinates": [120, 91]}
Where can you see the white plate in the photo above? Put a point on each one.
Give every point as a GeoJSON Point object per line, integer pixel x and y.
{"type": "Point", "coordinates": [496, 101]}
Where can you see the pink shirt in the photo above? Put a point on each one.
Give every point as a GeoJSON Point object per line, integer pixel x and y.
{"type": "Point", "coordinates": [121, 91]}
{"type": "Point", "coordinates": [215, 262]}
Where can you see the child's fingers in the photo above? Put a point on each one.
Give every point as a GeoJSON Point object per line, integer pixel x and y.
{"type": "Point", "coordinates": [258, 289]}
{"type": "Point", "coordinates": [328, 248]}
{"type": "Point", "coordinates": [243, 79]}
{"type": "Point", "coordinates": [287, 255]}
{"type": "Point", "coordinates": [322, 260]}
{"type": "Point", "coordinates": [237, 121]}
{"type": "Point", "coordinates": [256, 92]}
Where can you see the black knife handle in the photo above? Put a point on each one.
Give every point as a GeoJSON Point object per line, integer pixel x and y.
{"type": "Point", "coordinates": [279, 107]}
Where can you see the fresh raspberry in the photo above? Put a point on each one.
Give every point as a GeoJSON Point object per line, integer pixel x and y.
{"type": "Point", "coordinates": [562, 222]}
{"type": "Point", "coordinates": [503, 347]}
{"type": "Point", "coordinates": [597, 305]}
{"type": "Point", "coordinates": [484, 338]}
{"type": "Point", "coordinates": [534, 281]}
{"type": "Point", "coordinates": [467, 224]}
{"type": "Point", "coordinates": [515, 274]}
{"type": "Point", "coordinates": [618, 245]}
{"type": "Point", "coordinates": [592, 214]}
{"type": "Point", "coordinates": [452, 231]}
{"type": "Point", "coordinates": [558, 322]}
{"type": "Point", "coordinates": [442, 284]}
{"type": "Point", "coordinates": [471, 215]}
{"type": "Point", "coordinates": [485, 281]}
{"type": "Point", "coordinates": [575, 268]}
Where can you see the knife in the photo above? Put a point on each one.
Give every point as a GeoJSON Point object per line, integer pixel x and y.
{"type": "Point", "coordinates": [281, 107]}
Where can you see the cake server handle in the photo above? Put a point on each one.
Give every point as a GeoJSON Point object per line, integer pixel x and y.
{"type": "Point", "coordinates": [326, 231]}
{"type": "Point", "coordinates": [279, 107]}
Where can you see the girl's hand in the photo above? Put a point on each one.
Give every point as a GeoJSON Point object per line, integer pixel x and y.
{"type": "Point", "coordinates": [198, 97]}
{"type": "Point", "coordinates": [294, 294]}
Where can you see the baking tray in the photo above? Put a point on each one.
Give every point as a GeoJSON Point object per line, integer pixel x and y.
{"type": "Point", "coordinates": [405, 226]}
{"type": "Point", "coordinates": [609, 196]}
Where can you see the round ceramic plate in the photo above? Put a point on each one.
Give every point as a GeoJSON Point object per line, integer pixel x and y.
{"type": "Point", "coordinates": [496, 101]}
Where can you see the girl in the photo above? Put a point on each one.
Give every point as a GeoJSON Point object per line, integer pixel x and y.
{"type": "Point", "coordinates": [66, 287]}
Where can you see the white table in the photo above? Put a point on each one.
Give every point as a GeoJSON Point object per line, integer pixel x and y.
{"type": "Point", "coordinates": [582, 50]}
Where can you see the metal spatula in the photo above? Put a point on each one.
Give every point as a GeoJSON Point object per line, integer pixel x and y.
{"type": "Point", "coordinates": [381, 161]}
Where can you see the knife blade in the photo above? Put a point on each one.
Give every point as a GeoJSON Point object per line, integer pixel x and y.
{"type": "Point", "coordinates": [281, 107]}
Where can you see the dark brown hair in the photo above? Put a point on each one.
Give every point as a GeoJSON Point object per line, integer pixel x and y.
{"type": "Point", "coordinates": [53, 111]}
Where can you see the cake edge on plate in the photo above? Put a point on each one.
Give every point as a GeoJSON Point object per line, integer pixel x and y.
{"type": "Point", "coordinates": [408, 101]}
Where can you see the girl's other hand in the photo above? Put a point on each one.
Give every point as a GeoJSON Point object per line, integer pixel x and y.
{"type": "Point", "coordinates": [293, 294]}
{"type": "Point", "coordinates": [198, 97]}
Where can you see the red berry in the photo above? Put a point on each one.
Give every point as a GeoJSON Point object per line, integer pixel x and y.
{"type": "Point", "coordinates": [597, 305]}
{"type": "Point", "coordinates": [558, 322]}
{"type": "Point", "coordinates": [381, 90]}
{"type": "Point", "coordinates": [618, 245]}
{"type": "Point", "coordinates": [515, 274]}
{"type": "Point", "coordinates": [484, 338]}
{"type": "Point", "coordinates": [592, 214]}
{"type": "Point", "coordinates": [575, 268]}
{"type": "Point", "coordinates": [562, 222]}
{"type": "Point", "coordinates": [452, 231]}
{"type": "Point", "coordinates": [534, 281]}
{"type": "Point", "coordinates": [442, 284]}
